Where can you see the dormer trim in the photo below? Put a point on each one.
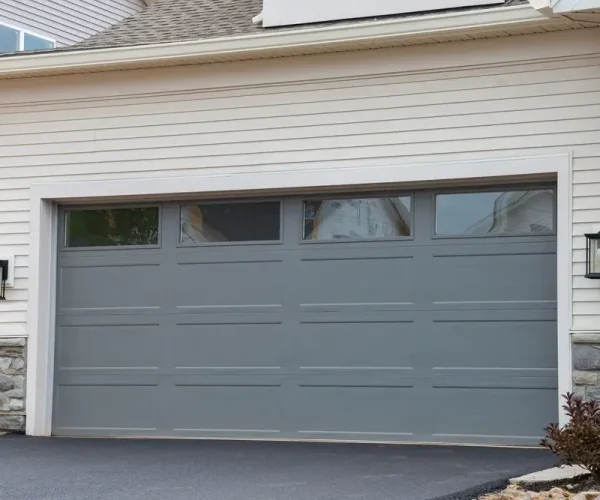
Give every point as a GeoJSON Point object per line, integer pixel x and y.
{"type": "Point", "coordinates": [293, 12]}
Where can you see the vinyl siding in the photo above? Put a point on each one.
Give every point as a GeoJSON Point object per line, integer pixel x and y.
{"type": "Point", "coordinates": [304, 113]}
{"type": "Point", "coordinates": [66, 21]}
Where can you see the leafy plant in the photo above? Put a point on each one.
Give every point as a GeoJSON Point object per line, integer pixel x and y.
{"type": "Point", "coordinates": [578, 442]}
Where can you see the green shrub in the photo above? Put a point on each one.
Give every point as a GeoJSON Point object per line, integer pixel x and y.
{"type": "Point", "coordinates": [578, 442]}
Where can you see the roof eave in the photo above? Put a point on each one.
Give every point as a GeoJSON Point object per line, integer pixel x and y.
{"type": "Point", "coordinates": [310, 40]}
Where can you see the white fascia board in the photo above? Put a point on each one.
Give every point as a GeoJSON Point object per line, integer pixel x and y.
{"type": "Point", "coordinates": [290, 12]}
{"type": "Point", "coordinates": [263, 45]}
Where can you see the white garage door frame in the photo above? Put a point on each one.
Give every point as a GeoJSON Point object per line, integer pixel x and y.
{"type": "Point", "coordinates": [44, 220]}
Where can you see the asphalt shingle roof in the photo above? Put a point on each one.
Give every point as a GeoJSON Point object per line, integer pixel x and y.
{"type": "Point", "coordinates": [185, 20]}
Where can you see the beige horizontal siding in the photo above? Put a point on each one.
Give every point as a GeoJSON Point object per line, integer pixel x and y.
{"type": "Point", "coordinates": [145, 124]}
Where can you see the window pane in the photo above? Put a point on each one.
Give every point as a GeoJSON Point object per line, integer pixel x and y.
{"type": "Point", "coordinates": [112, 227]}
{"type": "Point", "coordinates": [499, 212]}
{"type": "Point", "coordinates": [9, 39]}
{"type": "Point", "coordinates": [361, 218]}
{"type": "Point", "coordinates": [31, 42]}
{"type": "Point", "coordinates": [221, 222]}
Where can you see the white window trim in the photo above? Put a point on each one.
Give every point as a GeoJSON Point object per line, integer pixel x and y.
{"type": "Point", "coordinates": [44, 235]}
{"type": "Point", "coordinates": [22, 32]}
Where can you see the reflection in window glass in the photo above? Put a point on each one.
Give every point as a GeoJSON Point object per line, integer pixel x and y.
{"type": "Point", "coordinates": [478, 214]}
{"type": "Point", "coordinates": [360, 218]}
{"type": "Point", "coordinates": [9, 39]}
{"type": "Point", "coordinates": [32, 42]}
{"type": "Point", "coordinates": [112, 227]}
{"type": "Point", "coordinates": [223, 222]}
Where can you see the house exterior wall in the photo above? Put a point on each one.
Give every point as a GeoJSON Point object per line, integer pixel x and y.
{"type": "Point", "coordinates": [66, 21]}
{"type": "Point", "coordinates": [523, 96]}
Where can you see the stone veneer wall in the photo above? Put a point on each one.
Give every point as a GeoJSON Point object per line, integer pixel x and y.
{"type": "Point", "coordinates": [12, 384]}
{"type": "Point", "coordinates": [586, 365]}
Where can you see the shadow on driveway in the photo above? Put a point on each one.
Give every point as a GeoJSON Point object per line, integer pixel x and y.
{"type": "Point", "coordinates": [88, 469]}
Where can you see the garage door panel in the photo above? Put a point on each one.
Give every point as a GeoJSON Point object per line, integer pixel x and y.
{"type": "Point", "coordinates": [493, 245]}
{"type": "Point", "coordinates": [228, 345]}
{"type": "Point", "coordinates": [350, 412]}
{"type": "Point", "coordinates": [227, 315]}
{"type": "Point", "coordinates": [110, 377]}
{"type": "Point", "coordinates": [523, 344]}
{"type": "Point", "coordinates": [356, 280]}
{"type": "Point", "coordinates": [493, 414]}
{"type": "Point", "coordinates": [499, 378]}
{"type": "Point", "coordinates": [109, 318]}
{"type": "Point", "coordinates": [512, 278]}
{"type": "Point", "coordinates": [105, 286]}
{"type": "Point", "coordinates": [357, 314]}
{"type": "Point", "coordinates": [247, 282]}
{"type": "Point", "coordinates": [220, 408]}
{"type": "Point", "coordinates": [360, 345]}
{"type": "Point", "coordinates": [109, 346]}
{"type": "Point", "coordinates": [403, 376]}
{"type": "Point", "coordinates": [120, 256]}
{"type": "Point", "coordinates": [542, 311]}
{"type": "Point", "coordinates": [102, 409]}
{"type": "Point", "coordinates": [404, 336]}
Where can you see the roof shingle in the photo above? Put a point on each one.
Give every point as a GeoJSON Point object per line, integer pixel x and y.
{"type": "Point", "coordinates": [167, 21]}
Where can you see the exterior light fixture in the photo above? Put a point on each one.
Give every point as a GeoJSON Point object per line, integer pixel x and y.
{"type": "Point", "coordinates": [3, 278]}
{"type": "Point", "coordinates": [592, 256]}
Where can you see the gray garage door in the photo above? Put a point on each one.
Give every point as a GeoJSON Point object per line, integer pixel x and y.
{"type": "Point", "coordinates": [423, 316]}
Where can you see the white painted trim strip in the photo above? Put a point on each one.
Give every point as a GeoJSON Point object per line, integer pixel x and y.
{"type": "Point", "coordinates": [264, 44]}
{"type": "Point", "coordinates": [42, 287]}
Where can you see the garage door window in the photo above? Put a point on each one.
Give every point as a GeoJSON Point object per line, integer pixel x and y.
{"type": "Point", "coordinates": [495, 213]}
{"type": "Point", "coordinates": [111, 227]}
{"type": "Point", "coordinates": [358, 218]}
{"type": "Point", "coordinates": [230, 222]}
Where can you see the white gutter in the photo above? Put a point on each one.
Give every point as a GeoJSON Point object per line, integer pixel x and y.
{"type": "Point", "coordinates": [263, 45]}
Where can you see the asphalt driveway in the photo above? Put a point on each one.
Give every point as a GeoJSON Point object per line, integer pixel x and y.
{"type": "Point", "coordinates": [76, 469]}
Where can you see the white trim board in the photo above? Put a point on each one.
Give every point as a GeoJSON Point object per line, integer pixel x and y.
{"type": "Point", "coordinates": [42, 286]}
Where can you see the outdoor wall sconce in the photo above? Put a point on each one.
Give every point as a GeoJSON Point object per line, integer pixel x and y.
{"type": "Point", "coordinates": [592, 256]}
{"type": "Point", "coordinates": [3, 278]}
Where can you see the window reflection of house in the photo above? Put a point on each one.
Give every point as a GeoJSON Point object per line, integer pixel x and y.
{"type": "Point", "coordinates": [358, 218]}
{"type": "Point", "coordinates": [220, 222]}
{"type": "Point", "coordinates": [193, 228]}
{"type": "Point", "coordinates": [518, 212]}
